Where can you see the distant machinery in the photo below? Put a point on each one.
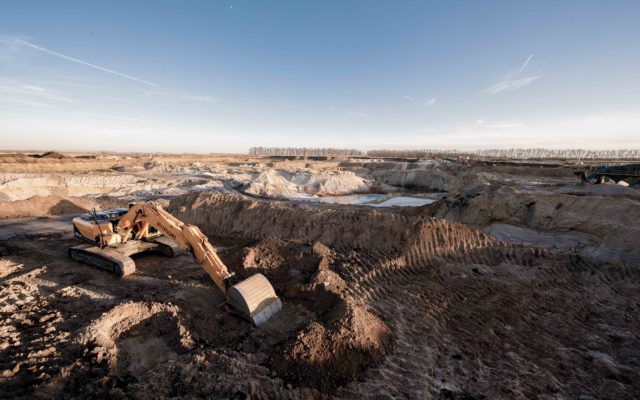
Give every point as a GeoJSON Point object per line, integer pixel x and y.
{"type": "Point", "coordinates": [629, 174]}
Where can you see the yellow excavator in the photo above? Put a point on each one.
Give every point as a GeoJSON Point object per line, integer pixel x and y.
{"type": "Point", "coordinates": [113, 236]}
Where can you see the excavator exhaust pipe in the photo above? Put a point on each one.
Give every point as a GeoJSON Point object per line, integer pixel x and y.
{"type": "Point", "coordinates": [254, 299]}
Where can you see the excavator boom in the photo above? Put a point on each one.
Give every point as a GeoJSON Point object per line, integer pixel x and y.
{"type": "Point", "coordinates": [252, 298]}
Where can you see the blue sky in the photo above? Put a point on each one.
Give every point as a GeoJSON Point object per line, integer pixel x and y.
{"type": "Point", "coordinates": [223, 76]}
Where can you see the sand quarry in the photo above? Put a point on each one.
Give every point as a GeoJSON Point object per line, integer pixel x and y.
{"type": "Point", "coordinates": [399, 279]}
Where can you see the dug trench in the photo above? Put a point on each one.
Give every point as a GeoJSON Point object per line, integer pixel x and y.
{"type": "Point", "coordinates": [377, 302]}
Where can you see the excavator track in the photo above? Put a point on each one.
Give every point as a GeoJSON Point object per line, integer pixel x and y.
{"type": "Point", "coordinates": [167, 246]}
{"type": "Point", "coordinates": [105, 259]}
{"type": "Point", "coordinates": [253, 298]}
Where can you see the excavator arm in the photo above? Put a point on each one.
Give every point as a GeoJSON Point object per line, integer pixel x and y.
{"type": "Point", "coordinates": [187, 237]}
{"type": "Point", "coordinates": [252, 298]}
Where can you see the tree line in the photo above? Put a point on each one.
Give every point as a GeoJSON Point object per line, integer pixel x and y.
{"type": "Point", "coordinates": [303, 151]}
{"type": "Point", "coordinates": [580, 154]}
{"type": "Point", "coordinates": [517, 153]}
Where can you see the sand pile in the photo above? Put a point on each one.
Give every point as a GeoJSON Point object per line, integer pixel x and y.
{"type": "Point", "coordinates": [38, 206]}
{"type": "Point", "coordinates": [123, 186]}
{"type": "Point", "coordinates": [280, 183]}
{"type": "Point", "coordinates": [24, 186]}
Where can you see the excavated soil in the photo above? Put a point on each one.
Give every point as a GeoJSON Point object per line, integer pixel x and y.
{"type": "Point", "coordinates": [604, 226]}
{"type": "Point", "coordinates": [382, 303]}
{"type": "Point", "coordinates": [41, 206]}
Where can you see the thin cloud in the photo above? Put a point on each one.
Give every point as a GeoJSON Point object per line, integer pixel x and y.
{"type": "Point", "coordinates": [73, 85]}
{"type": "Point", "coordinates": [104, 116]}
{"type": "Point", "coordinates": [24, 102]}
{"type": "Point", "coordinates": [512, 82]}
{"type": "Point", "coordinates": [504, 125]}
{"type": "Point", "coordinates": [182, 96]}
{"type": "Point", "coordinates": [482, 125]}
{"type": "Point", "coordinates": [78, 115]}
{"type": "Point", "coordinates": [525, 64]}
{"type": "Point", "coordinates": [10, 51]}
{"type": "Point", "coordinates": [430, 103]}
{"type": "Point", "coordinates": [77, 61]}
{"type": "Point", "coordinates": [357, 114]}
{"type": "Point", "coordinates": [32, 91]}
{"type": "Point", "coordinates": [499, 125]}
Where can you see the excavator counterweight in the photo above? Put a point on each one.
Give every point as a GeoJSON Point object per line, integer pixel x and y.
{"type": "Point", "coordinates": [113, 236]}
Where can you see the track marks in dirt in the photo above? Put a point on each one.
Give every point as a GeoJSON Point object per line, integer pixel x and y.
{"type": "Point", "coordinates": [495, 329]}
{"type": "Point", "coordinates": [30, 338]}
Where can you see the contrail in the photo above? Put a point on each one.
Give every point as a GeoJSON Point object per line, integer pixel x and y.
{"type": "Point", "coordinates": [525, 64]}
{"type": "Point", "coordinates": [75, 60]}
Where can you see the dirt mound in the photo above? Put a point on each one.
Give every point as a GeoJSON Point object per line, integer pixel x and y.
{"type": "Point", "coordinates": [604, 221]}
{"type": "Point", "coordinates": [337, 340]}
{"type": "Point", "coordinates": [326, 357]}
{"type": "Point", "coordinates": [50, 154]}
{"type": "Point", "coordinates": [384, 230]}
{"type": "Point", "coordinates": [6, 158]}
{"type": "Point", "coordinates": [39, 206]}
{"type": "Point", "coordinates": [137, 336]}
{"type": "Point", "coordinates": [24, 186]}
{"type": "Point", "coordinates": [266, 255]}
{"type": "Point", "coordinates": [280, 183]}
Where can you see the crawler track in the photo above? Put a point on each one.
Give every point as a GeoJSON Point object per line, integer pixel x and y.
{"type": "Point", "coordinates": [106, 259]}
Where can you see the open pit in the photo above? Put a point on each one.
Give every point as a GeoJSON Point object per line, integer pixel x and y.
{"type": "Point", "coordinates": [490, 291]}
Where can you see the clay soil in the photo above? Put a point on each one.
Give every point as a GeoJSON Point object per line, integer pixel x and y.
{"type": "Point", "coordinates": [378, 303]}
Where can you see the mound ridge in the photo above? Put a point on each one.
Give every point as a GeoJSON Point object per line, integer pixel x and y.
{"type": "Point", "coordinates": [382, 230]}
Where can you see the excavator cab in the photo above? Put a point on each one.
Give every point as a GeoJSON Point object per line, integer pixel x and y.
{"type": "Point", "coordinates": [112, 237]}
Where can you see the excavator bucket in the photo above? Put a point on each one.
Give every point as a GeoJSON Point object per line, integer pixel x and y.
{"type": "Point", "coordinates": [254, 299]}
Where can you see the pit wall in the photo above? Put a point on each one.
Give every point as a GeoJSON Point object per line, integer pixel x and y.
{"type": "Point", "coordinates": [24, 186]}
{"type": "Point", "coordinates": [26, 164]}
{"type": "Point", "coordinates": [610, 223]}
{"type": "Point", "coordinates": [391, 231]}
